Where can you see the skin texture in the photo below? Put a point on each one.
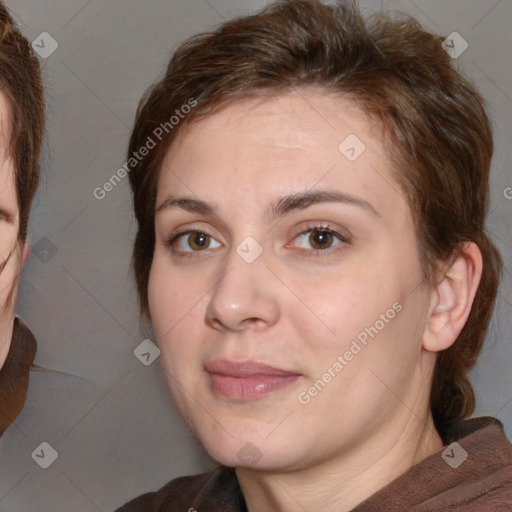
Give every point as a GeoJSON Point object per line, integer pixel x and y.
{"type": "Point", "coordinates": [18, 345]}
{"type": "Point", "coordinates": [296, 310]}
{"type": "Point", "coordinates": [10, 251]}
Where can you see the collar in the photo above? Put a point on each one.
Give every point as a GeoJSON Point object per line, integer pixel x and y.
{"type": "Point", "coordinates": [437, 483]}
{"type": "Point", "coordinates": [14, 374]}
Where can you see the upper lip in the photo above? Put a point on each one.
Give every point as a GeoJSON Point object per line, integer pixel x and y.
{"type": "Point", "coordinates": [245, 369]}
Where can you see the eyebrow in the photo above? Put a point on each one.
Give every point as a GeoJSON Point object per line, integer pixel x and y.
{"type": "Point", "coordinates": [283, 206]}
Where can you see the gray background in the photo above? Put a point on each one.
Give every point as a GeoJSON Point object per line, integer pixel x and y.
{"type": "Point", "coordinates": [107, 415]}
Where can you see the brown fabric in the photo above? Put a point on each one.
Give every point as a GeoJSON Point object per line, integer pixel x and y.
{"type": "Point", "coordinates": [482, 483]}
{"type": "Point", "coordinates": [14, 374]}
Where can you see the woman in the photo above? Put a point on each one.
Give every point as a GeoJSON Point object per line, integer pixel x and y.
{"type": "Point", "coordinates": [21, 133]}
{"type": "Point", "coordinates": [312, 252]}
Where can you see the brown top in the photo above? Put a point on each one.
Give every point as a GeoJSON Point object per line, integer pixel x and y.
{"type": "Point", "coordinates": [15, 372]}
{"type": "Point", "coordinates": [472, 473]}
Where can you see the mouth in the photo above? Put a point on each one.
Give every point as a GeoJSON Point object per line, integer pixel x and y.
{"type": "Point", "coordinates": [247, 380]}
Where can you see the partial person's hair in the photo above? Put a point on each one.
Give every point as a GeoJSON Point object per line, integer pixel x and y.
{"type": "Point", "coordinates": [21, 82]}
{"type": "Point", "coordinates": [22, 85]}
{"type": "Point", "coordinates": [435, 130]}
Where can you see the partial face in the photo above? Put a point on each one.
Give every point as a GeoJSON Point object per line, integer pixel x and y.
{"type": "Point", "coordinates": [10, 264]}
{"type": "Point", "coordinates": [284, 326]}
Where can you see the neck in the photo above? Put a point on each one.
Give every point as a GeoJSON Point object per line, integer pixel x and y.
{"type": "Point", "coordinates": [341, 483]}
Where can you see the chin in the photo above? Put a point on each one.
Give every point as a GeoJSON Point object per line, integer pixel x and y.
{"type": "Point", "coordinates": [257, 451]}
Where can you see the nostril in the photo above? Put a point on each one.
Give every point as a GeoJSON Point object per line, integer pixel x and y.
{"type": "Point", "coordinates": [216, 324]}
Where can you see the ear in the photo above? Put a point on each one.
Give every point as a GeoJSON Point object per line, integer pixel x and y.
{"type": "Point", "coordinates": [452, 298]}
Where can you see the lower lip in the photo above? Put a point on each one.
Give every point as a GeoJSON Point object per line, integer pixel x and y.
{"type": "Point", "coordinates": [249, 388]}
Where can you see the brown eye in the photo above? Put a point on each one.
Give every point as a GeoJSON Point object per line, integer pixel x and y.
{"type": "Point", "coordinates": [190, 241]}
{"type": "Point", "coordinates": [320, 239]}
{"type": "Point", "coordinates": [197, 240]}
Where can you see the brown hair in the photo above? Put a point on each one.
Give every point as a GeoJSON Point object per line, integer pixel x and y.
{"type": "Point", "coordinates": [21, 82]}
{"type": "Point", "coordinates": [437, 134]}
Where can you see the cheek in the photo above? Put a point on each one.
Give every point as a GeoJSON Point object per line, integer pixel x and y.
{"type": "Point", "coordinates": [333, 308]}
{"type": "Point", "coordinates": [364, 304]}
{"type": "Point", "coordinates": [11, 265]}
{"type": "Point", "coordinates": [8, 295]}
{"type": "Point", "coordinates": [175, 303]}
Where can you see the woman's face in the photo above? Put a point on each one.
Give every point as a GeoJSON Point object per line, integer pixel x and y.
{"type": "Point", "coordinates": [9, 222]}
{"type": "Point", "coordinates": [285, 344]}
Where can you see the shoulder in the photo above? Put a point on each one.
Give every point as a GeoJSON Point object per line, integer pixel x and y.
{"type": "Point", "coordinates": [14, 374]}
{"type": "Point", "coordinates": [181, 491]}
{"type": "Point", "coordinates": [485, 469]}
{"type": "Point", "coordinates": [185, 493]}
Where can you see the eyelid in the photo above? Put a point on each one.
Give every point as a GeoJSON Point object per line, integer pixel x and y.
{"type": "Point", "coordinates": [344, 238]}
{"type": "Point", "coordinates": [323, 227]}
{"type": "Point", "coordinates": [189, 230]}
{"type": "Point", "coordinates": [343, 234]}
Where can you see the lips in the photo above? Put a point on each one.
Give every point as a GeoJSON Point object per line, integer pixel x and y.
{"type": "Point", "coordinates": [247, 380]}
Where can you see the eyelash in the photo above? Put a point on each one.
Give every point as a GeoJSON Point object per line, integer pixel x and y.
{"type": "Point", "coordinates": [323, 228]}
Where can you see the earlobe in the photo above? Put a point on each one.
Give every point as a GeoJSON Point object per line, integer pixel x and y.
{"type": "Point", "coordinates": [452, 299]}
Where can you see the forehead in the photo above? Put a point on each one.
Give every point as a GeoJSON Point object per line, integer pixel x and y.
{"type": "Point", "coordinates": [279, 144]}
{"type": "Point", "coordinates": [292, 120]}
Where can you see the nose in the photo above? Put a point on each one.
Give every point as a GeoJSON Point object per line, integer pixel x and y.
{"type": "Point", "coordinates": [245, 297]}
